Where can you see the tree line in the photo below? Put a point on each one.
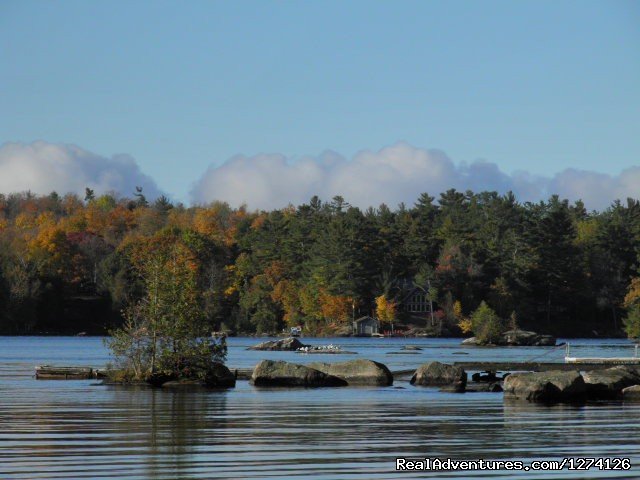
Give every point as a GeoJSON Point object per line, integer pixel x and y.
{"type": "Point", "coordinates": [70, 264]}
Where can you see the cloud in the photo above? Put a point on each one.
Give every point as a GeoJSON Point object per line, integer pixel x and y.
{"type": "Point", "coordinates": [394, 174]}
{"type": "Point", "coordinates": [43, 167]}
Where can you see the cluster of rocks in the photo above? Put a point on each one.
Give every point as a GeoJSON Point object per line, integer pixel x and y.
{"type": "Point", "coordinates": [619, 382]}
{"type": "Point", "coordinates": [571, 386]}
{"type": "Point", "coordinates": [276, 373]}
{"type": "Point", "coordinates": [520, 338]}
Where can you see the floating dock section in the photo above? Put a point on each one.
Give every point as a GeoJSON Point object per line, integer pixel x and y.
{"type": "Point", "coordinates": [49, 372]}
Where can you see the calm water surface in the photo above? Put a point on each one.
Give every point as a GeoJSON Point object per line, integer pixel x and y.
{"type": "Point", "coordinates": [78, 429]}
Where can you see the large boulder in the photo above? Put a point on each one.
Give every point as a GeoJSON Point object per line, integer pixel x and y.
{"type": "Point", "coordinates": [551, 386]}
{"type": "Point", "coordinates": [270, 373]}
{"type": "Point", "coordinates": [289, 344]}
{"type": "Point", "coordinates": [440, 374]}
{"type": "Point", "coordinates": [357, 372]}
{"type": "Point", "coordinates": [610, 382]}
{"type": "Point", "coordinates": [219, 376]}
{"type": "Point", "coordinates": [631, 394]}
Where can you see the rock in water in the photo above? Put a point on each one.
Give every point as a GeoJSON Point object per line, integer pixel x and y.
{"type": "Point", "coordinates": [518, 338]}
{"type": "Point", "coordinates": [525, 338]}
{"type": "Point", "coordinates": [485, 387]}
{"type": "Point", "coordinates": [551, 386]}
{"type": "Point", "coordinates": [158, 379]}
{"type": "Point", "coordinates": [357, 372]}
{"type": "Point", "coordinates": [609, 383]}
{"type": "Point", "coordinates": [436, 373]}
{"type": "Point", "coordinates": [219, 376]}
{"type": "Point", "coordinates": [289, 344]}
{"type": "Point", "coordinates": [631, 394]}
{"type": "Point", "coordinates": [270, 373]}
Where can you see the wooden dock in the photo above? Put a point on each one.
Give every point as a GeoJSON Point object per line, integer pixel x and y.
{"type": "Point", "coordinates": [49, 372]}
{"type": "Point", "coordinates": [603, 361]}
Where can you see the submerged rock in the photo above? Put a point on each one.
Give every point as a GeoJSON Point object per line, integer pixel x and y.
{"type": "Point", "coordinates": [610, 382]}
{"type": "Point", "coordinates": [184, 384]}
{"type": "Point", "coordinates": [486, 387]}
{"type": "Point", "coordinates": [453, 388]}
{"type": "Point", "coordinates": [551, 386]}
{"type": "Point", "coordinates": [270, 373]}
{"type": "Point", "coordinates": [357, 372]}
{"type": "Point", "coordinates": [287, 344]}
{"type": "Point", "coordinates": [439, 374]}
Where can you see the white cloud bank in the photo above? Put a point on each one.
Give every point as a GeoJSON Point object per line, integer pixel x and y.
{"type": "Point", "coordinates": [398, 173]}
{"type": "Point", "coordinates": [43, 167]}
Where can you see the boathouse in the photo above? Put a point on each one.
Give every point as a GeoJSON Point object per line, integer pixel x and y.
{"type": "Point", "coordinates": [365, 326]}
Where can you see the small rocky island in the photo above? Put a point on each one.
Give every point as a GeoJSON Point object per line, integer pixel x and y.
{"type": "Point", "coordinates": [292, 344]}
{"type": "Point", "coordinates": [284, 344]}
{"type": "Point", "coordinates": [516, 338]}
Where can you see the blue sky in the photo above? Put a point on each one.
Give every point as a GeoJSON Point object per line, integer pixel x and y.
{"type": "Point", "coordinates": [182, 87]}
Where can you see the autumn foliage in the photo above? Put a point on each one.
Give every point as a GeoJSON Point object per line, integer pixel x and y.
{"type": "Point", "coordinates": [70, 264]}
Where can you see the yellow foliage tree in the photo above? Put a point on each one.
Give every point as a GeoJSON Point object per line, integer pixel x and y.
{"type": "Point", "coordinates": [463, 323]}
{"type": "Point", "coordinates": [386, 310]}
{"type": "Point", "coordinates": [633, 293]}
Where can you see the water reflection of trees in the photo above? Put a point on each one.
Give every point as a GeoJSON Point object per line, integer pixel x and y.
{"type": "Point", "coordinates": [171, 432]}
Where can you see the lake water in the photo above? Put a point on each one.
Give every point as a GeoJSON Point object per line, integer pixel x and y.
{"type": "Point", "coordinates": [78, 429]}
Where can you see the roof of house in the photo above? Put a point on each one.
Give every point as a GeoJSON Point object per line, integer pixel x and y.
{"type": "Point", "coordinates": [411, 292]}
{"type": "Point", "coordinates": [362, 319]}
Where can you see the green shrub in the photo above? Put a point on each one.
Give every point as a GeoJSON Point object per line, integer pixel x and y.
{"type": "Point", "coordinates": [632, 322]}
{"type": "Point", "coordinates": [486, 325]}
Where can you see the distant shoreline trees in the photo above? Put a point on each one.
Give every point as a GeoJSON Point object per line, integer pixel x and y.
{"type": "Point", "coordinates": [69, 264]}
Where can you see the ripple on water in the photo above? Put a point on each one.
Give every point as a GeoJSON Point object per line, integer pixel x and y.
{"type": "Point", "coordinates": [64, 430]}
